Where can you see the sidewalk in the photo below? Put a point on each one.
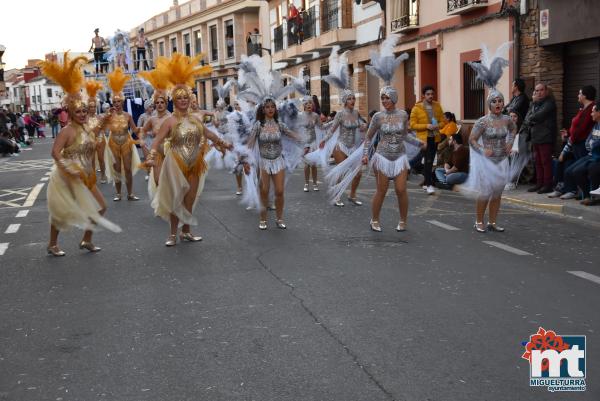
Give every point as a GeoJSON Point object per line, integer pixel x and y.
{"type": "Point", "coordinates": [570, 208]}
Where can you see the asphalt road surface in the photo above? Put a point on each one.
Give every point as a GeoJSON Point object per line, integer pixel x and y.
{"type": "Point", "coordinates": [325, 310]}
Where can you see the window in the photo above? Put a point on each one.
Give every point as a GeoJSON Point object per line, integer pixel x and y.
{"type": "Point", "coordinates": [39, 99]}
{"type": "Point", "coordinates": [203, 103]}
{"type": "Point", "coordinates": [197, 42]}
{"type": "Point", "coordinates": [187, 45]}
{"type": "Point", "coordinates": [215, 95]}
{"type": "Point", "coordinates": [324, 91]}
{"type": "Point", "coordinates": [161, 48]}
{"type": "Point", "coordinates": [306, 75]}
{"type": "Point", "coordinates": [214, 46]}
{"type": "Point", "coordinates": [473, 94]}
{"type": "Point", "coordinates": [49, 92]}
{"type": "Point", "coordinates": [173, 45]}
{"type": "Point", "coordinates": [229, 38]}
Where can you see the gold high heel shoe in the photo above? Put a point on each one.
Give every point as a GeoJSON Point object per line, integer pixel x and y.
{"type": "Point", "coordinates": [117, 198]}
{"type": "Point", "coordinates": [132, 198]}
{"type": "Point", "coordinates": [375, 226]}
{"type": "Point", "coordinates": [89, 246]}
{"type": "Point", "coordinates": [189, 237]}
{"type": "Point", "coordinates": [262, 225]}
{"type": "Point", "coordinates": [355, 201]}
{"type": "Point", "coordinates": [305, 188]}
{"type": "Point", "coordinates": [280, 224]}
{"type": "Point", "coordinates": [171, 240]}
{"type": "Point", "coordinates": [55, 251]}
{"type": "Point", "coordinates": [401, 226]}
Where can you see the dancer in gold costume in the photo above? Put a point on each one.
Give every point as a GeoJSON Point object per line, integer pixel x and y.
{"type": "Point", "coordinates": [160, 82]}
{"type": "Point", "coordinates": [73, 198]}
{"type": "Point", "coordinates": [122, 157]}
{"type": "Point", "coordinates": [183, 170]}
{"type": "Point", "coordinates": [94, 124]}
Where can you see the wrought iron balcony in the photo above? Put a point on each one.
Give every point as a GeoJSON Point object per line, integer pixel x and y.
{"type": "Point", "coordinates": [464, 6]}
{"type": "Point", "coordinates": [278, 38]}
{"type": "Point", "coordinates": [408, 17]}
{"type": "Point", "coordinates": [329, 16]}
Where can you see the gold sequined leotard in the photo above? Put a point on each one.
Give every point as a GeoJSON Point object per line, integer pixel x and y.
{"type": "Point", "coordinates": [119, 139]}
{"type": "Point", "coordinates": [188, 146]}
{"type": "Point", "coordinates": [80, 155]}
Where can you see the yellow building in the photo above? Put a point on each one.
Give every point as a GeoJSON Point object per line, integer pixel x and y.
{"type": "Point", "coordinates": [217, 28]}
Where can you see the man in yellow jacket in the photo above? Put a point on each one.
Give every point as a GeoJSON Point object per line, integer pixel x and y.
{"type": "Point", "coordinates": [426, 118]}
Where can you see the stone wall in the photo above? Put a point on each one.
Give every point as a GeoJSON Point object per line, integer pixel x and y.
{"type": "Point", "coordinates": [540, 64]}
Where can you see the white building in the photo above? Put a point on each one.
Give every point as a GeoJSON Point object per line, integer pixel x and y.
{"type": "Point", "coordinates": [44, 94]}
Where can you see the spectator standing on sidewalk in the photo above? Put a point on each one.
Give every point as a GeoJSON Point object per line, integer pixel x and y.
{"type": "Point", "coordinates": [426, 118]}
{"type": "Point", "coordinates": [519, 103]}
{"type": "Point", "coordinates": [540, 127]}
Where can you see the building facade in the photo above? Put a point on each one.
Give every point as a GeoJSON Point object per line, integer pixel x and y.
{"type": "Point", "coordinates": [216, 28]}
{"type": "Point", "coordinates": [43, 94]}
{"type": "Point", "coordinates": [301, 34]}
{"type": "Point", "coordinates": [560, 46]}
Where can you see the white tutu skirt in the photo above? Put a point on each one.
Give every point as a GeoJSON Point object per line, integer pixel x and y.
{"type": "Point", "coordinates": [486, 178]}
{"type": "Point", "coordinates": [389, 168]}
{"type": "Point", "coordinates": [72, 204]}
{"type": "Point", "coordinates": [109, 161]}
{"type": "Point", "coordinates": [168, 198]}
{"type": "Point", "coordinates": [272, 166]}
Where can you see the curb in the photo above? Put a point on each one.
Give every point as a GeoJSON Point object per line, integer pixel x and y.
{"type": "Point", "coordinates": [588, 214]}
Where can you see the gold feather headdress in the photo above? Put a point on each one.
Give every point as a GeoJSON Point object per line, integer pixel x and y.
{"type": "Point", "coordinates": [159, 79]}
{"type": "Point", "coordinates": [117, 80]}
{"type": "Point", "coordinates": [69, 77]}
{"type": "Point", "coordinates": [92, 87]}
{"type": "Point", "coordinates": [181, 71]}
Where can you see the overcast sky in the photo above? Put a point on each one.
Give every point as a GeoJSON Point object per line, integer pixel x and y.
{"type": "Point", "coordinates": [32, 28]}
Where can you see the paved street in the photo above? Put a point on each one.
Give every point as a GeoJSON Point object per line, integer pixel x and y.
{"type": "Point", "coordinates": [325, 310]}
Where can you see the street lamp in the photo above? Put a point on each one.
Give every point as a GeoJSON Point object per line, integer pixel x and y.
{"type": "Point", "coordinates": [256, 41]}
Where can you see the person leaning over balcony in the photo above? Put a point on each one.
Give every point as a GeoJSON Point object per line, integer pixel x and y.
{"type": "Point", "coordinates": [427, 118]}
{"type": "Point", "coordinates": [540, 128]}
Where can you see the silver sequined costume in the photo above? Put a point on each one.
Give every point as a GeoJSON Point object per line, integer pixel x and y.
{"type": "Point", "coordinates": [270, 147]}
{"type": "Point", "coordinates": [348, 123]}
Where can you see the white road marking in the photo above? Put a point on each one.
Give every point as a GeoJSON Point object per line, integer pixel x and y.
{"type": "Point", "coordinates": [33, 195]}
{"type": "Point", "coordinates": [44, 178]}
{"type": "Point", "coordinates": [3, 247]}
{"type": "Point", "coordinates": [22, 213]}
{"type": "Point", "coordinates": [48, 173]}
{"type": "Point", "coordinates": [507, 248]}
{"type": "Point", "coordinates": [12, 228]}
{"type": "Point", "coordinates": [443, 225]}
{"type": "Point", "coordinates": [585, 275]}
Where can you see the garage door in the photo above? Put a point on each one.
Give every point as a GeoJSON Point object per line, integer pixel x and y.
{"type": "Point", "coordinates": [582, 67]}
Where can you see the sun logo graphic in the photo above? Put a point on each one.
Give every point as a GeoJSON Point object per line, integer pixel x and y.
{"type": "Point", "coordinates": [556, 362]}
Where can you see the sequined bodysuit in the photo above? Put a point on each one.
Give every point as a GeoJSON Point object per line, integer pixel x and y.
{"type": "Point", "coordinates": [495, 133]}
{"type": "Point", "coordinates": [119, 139]}
{"type": "Point", "coordinates": [348, 123]}
{"type": "Point", "coordinates": [393, 133]}
{"type": "Point", "coordinates": [188, 145]}
{"type": "Point", "coordinates": [80, 155]}
{"type": "Point", "coordinates": [270, 147]}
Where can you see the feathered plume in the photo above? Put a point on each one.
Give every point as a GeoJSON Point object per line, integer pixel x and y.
{"type": "Point", "coordinates": [489, 71]}
{"type": "Point", "coordinates": [259, 83]}
{"type": "Point", "coordinates": [223, 90]}
{"type": "Point", "coordinates": [68, 75]}
{"type": "Point", "coordinates": [299, 82]}
{"type": "Point", "coordinates": [158, 78]}
{"type": "Point", "coordinates": [383, 62]}
{"type": "Point", "coordinates": [92, 87]}
{"type": "Point", "coordinates": [182, 69]}
{"type": "Point", "coordinates": [339, 75]}
{"type": "Point", "coordinates": [117, 80]}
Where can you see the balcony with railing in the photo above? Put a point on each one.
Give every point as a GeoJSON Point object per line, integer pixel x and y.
{"type": "Point", "coordinates": [333, 31]}
{"type": "Point", "coordinates": [407, 17]}
{"type": "Point", "coordinates": [456, 7]}
{"type": "Point", "coordinates": [309, 24]}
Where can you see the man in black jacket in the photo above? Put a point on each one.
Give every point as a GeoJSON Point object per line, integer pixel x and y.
{"type": "Point", "coordinates": [540, 128]}
{"type": "Point", "coordinates": [520, 101]}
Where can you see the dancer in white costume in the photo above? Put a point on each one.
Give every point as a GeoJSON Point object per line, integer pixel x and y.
{"type": "Point", "coordinates": [121, 156]}
{"type": "Point", "coordinates": [351, 127]}
{"type": "Point", "coordinates": [183, 171]}
{"type": "Point", "coordinates": [73, 198]}
{"type": "Point", "coordinates": [314, 131]}
{"type": "Point", "coordinates": [491, 141]}
{"type": "Point", "coordinates": [273, 145]}
{"type": "Point", "coordinates": [390, 159]}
